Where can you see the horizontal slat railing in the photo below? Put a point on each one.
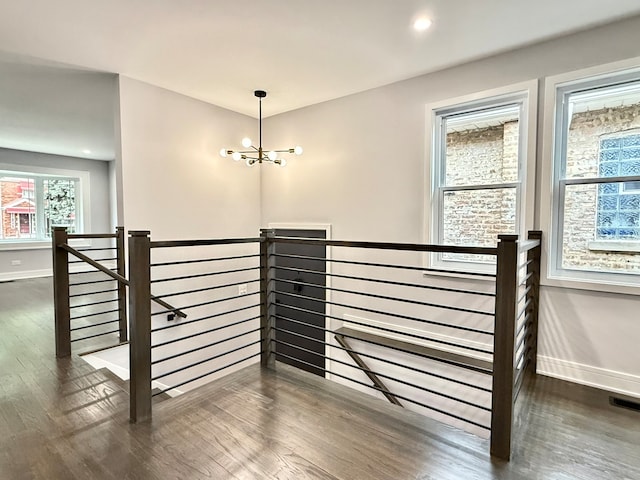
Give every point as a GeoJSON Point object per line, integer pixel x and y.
{"type": "Point", "coordinates": [203, 279]}
{"type": "Point", "coordinates": [84, 308]}
{"type": "Point", "coordinates": [84, 289]}
{"type": "Point", "coordinates": [121, 279]}
{"type": "Point", "coordinates": [374, 321]}
{"type": "Point", "coordinates": [527, 316]}
{"type": "Point", "coordinates": [379, 289]}
{"type": "Point", "coordinates": [512, 333]}
{"type": "Point", "coordinates": [515, 353]}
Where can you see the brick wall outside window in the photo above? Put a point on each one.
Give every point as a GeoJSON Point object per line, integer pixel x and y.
{"type": "Point", "coordinates": [586, 132]}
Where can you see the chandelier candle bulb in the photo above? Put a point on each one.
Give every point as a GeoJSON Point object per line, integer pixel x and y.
{"type": "Point", "coordinates": [257, 154]}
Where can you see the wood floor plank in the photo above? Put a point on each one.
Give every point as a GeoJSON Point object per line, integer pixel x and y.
{"type": "Point", "coordinates": [61, 419]}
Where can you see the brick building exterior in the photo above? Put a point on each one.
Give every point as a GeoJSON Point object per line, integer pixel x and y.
{"type": "Point", "coordinates": [586, 131]}
{"type": "Point", "coordinates": [17, 208]}
{"type": "Point", "coordinates": [480, 156]}
{"type": "Point", "coordinates": [489, 155]}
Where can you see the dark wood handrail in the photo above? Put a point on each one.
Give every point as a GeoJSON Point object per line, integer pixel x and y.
{"type": "Point", "coordinates": [117, 277]}
{"type": "Point", "coordinates": [92, 235]}
{"type": "Point", "coordinates": [417, 247]}
{"type": "Point", "coordinates": [202, 243]}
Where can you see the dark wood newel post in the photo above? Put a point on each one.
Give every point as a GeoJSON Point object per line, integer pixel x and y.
{"type": "Point", "coordinates": [62, 310]}
{"type": "Point", "coordinates": [503, 346]}
{"type": "Point", "coordinates": [534, 295]}
{"type": "Point", "coordinates": [267, 298]}
{"type": "Point", "coordinates": [140, 334]}
{"type": "Point", "coordinates": [122, 288]}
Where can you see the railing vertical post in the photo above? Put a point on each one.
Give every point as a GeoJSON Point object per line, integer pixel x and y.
{"type": "Point", "coordinates": [503, 346]}
{"type": "Point", "coordinates": [534, 297]}
{"type": "Point", "coordinates": [122, 288]}
{"type": "Point", "coordinates": [140, 334]}
{"type": "Point", "coordinates": [267, 298]}
{"type": "Point", "coordinates": [62, 311]}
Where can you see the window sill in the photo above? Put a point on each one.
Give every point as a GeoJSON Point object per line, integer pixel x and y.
{"type": "Point", "coordinates": [461, 270]}
{"type": "Point", "coordinates": [620, 246]}
{"type": "Point", "coordinates": [38, 245]}
{"type": "Point", "coordinates": [460, 275]}
{"type": "Point", "coordinates": [592, 284]}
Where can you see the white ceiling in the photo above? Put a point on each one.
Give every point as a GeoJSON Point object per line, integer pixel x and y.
{"type": "Point", "coordinates": [52, 109]}
{"type": "Point", "coordinates": [301, 51]}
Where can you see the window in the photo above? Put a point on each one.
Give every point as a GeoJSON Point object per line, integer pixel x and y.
{"type": "Point", "coordinates": [595, 215]}
{"type": "Point", "coordinates": [478, 163]}
{"type": "Point", "coordinates": [618, 209]}
{"type": "Point", "coordinates": [31, 204]}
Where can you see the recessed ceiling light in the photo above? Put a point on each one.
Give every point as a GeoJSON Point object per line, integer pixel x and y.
{"type": "Point", "coordinates": [422, 24]}
{"type": "Point", "coordinates": [86, 151]}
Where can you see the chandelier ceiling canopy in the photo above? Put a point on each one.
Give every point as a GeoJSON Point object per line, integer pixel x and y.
{"type": "Point", "coordinates": [258, 154]}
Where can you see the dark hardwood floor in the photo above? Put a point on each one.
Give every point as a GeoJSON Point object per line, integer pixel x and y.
{"type": "Point", "coordinates": [61, 419]}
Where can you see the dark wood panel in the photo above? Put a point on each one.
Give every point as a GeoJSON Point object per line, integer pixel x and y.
{"type": "Point", "coordinates": [295, 276]}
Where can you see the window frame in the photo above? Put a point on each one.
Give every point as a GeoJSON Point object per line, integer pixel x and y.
{"type": "Point", "coordinates": [525, 94]}
{"type": "Point", "coordinates": [83, 202]}
{"type": "Point", "coordinates": [553, 183]}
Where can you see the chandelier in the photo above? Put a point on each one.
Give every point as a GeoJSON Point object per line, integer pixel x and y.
{"type": "Point", "coordinates": [257, 154]}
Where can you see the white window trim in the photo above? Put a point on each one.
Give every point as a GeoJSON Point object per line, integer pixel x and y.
{"type": "Point", "coordinates": [604, 282]}
{"type": "Point", "coordinates": [84, 205]}
{"type": "Point", "coordinates": [528, 127]}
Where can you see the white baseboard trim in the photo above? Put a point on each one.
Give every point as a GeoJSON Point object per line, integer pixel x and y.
{"type": "Point", "coordinates": [610, 380]}
{"type": "Point", "coordinates": [9, 276]}
{"type": "Point", "coordinates": [47, 272]}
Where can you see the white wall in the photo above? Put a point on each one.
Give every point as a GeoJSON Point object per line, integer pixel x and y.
{"type": "Point", "coordinates": [174, 183]}
{"type": "Point", "coordinates": [37, 261]}
{"type": "Point", "coordinates": [363, 173]}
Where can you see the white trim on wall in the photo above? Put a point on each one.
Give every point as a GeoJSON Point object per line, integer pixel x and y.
{"type": "Point", "coordinates": [528, 149]}
{"type": "Point", "coordinates": [602, 378]}
{"type": "Point", "coordinates": [24, 274]}
{"type": "Point", "coordinates": [546, 182]}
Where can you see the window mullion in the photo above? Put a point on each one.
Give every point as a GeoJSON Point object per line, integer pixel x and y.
{"type": "Point", "coordinates": [488, 186]}
{"type": "Point", "coordinates": [557, 251]}
{"type": "Point", "coordinates": [599, 180]}
{"type": "Point", "coordinates": [440, 176]}
{"type": "Point", "coordinates": [40, 214]}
